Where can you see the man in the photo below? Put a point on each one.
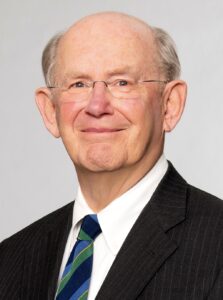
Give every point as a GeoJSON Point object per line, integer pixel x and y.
{"type": "Point", "coordinates": [112, 92]}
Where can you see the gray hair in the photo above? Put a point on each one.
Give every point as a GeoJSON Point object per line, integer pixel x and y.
{"type": "Point", "coordinates": [49, 58]}
{"type": "Point", "coordinates": [168, 61]}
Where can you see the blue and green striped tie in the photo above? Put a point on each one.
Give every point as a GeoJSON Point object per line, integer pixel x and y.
{"type": "Point", "coordinates": [75, 280]}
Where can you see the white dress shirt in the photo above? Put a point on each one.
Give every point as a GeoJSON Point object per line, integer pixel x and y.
{"type": "Point", "coordinates": [116, 220]}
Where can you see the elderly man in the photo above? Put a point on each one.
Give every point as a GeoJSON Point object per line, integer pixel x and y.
{"type": "Point", "coordinates": [136, 230]}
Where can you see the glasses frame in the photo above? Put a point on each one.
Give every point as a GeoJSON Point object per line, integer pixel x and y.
{"type": "Point", "coordinates": [92, 83]}
{"type": "Point", "coordinates": [107, 84]}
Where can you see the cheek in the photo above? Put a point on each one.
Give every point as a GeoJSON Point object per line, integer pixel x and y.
{"type": "Point", "coordinates": [67, 113]}
{"type": "Point", "coordinates": [132, 110]}
{"type": "Point", "coordinates": [146, 116]}
{"type": "Point", "coordinates": [137, 112]}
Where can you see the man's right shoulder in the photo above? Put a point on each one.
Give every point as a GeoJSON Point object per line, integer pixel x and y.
{"type": "Point", "coordinates": [37, 229]}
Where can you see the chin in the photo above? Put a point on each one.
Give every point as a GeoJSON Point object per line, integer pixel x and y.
{"type": "Point", "coordinates": [101, 159]}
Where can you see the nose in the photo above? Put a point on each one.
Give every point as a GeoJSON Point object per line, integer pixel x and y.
{"type": "Point", "coordinates": [99, 101]}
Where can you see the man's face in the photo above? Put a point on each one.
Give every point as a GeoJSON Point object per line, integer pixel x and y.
{"type": "Point", "coordinates": [104, 133]}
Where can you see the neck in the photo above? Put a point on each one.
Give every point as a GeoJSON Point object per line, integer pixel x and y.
{"type": "Point", "coordinates": [101, 188]}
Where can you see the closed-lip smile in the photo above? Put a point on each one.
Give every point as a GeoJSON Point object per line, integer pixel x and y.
{"type": "Point", "coordinates": [100, 130]}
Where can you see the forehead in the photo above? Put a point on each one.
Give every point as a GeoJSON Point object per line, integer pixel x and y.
{"type": "Point", "coordinates": [101, 45]}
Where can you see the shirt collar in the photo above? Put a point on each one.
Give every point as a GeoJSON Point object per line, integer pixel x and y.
{"type": "Point", "coordinates": [117, 219]}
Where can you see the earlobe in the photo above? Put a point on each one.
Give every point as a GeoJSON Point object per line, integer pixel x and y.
{"type": "Point", "coordinates": [174, 102]}
{"type": "Point", "coordinates": [47, 110]}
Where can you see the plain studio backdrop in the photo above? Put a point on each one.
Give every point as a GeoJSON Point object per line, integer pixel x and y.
{"type": "Point", "coordinates": [36, 175]}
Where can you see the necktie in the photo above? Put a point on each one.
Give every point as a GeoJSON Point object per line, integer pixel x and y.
{"type": "Point", "coordinates": [75, 280]}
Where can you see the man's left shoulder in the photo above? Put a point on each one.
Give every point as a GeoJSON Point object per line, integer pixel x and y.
{"type": "Point", "coordinates": [203, 201]}
{"type": "Point", "coordinates": [204, 213]}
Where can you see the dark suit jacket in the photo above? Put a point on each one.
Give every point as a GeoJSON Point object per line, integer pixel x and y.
{"type": "Point", "coordinates": [173, 252]}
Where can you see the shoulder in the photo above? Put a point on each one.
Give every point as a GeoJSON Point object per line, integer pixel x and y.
{"type": "Point", "coordinates": [204, 224]}
{"type": "Point", "coordinates": [30, 250]}
{"type": "Point", "coordinates": [197, 201]}
{"type": "Point", "coordinates": [202, 203]}
{"type": "Point", "coordinates": [201, 211]}
{"type": "Point", "coordinates": [37, 229]}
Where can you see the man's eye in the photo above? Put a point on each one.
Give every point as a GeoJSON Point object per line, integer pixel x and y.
{"type": "Point", "coordinates": [123, 82]}
{"type": "Point", "coordinates": [78, 84]}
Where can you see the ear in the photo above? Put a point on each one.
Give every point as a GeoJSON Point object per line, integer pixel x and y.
{"type": "Point", "coordinates": [47, 110]}
{"type": "Point", "coordinates": [174, 101]}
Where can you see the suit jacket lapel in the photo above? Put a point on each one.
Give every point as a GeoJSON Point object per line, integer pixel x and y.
{"type": "Point", "coordinates": [147, 246]}
{"type": "Point", "coordinates": [43, 257]}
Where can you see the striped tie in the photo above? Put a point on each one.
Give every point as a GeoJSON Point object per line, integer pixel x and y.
{"type": "Point", "coordinates": [75, 281]}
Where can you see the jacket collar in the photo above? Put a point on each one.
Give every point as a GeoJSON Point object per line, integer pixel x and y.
{"type": "Point", "coordinates": [148, 245]}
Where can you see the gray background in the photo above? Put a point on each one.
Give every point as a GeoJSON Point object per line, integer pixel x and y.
{"type": "Point", "coordinates": [36, 175]}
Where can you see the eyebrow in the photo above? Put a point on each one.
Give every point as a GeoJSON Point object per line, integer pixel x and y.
{"type": "Point", "coordinates": [73, 74]}
{"type": "Point", "coordinates": [121, 71]}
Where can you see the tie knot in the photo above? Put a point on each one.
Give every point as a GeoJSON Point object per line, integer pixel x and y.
{"type": "Point", "coordinates": [90, 228]}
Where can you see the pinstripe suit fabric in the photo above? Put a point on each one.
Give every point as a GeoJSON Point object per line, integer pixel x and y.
{"type": "Point", "coordinates": [173, 252]}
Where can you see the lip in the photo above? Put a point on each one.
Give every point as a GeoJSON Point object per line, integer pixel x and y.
{"type": "Point", "coordinates": [101, 130]}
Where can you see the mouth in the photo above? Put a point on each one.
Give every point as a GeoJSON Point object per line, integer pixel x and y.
{"type": "Point", "coordinates": [101, 130]}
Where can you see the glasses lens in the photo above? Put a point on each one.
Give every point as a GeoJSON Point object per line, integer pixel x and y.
{"type": "Point", "coordinates": [124, 89]}
{"type": "Point", "coordinates": [75, 94]}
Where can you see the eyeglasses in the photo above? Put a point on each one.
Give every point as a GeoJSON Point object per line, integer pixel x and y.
{"type": "Point", "coordinates": [120, 88]}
